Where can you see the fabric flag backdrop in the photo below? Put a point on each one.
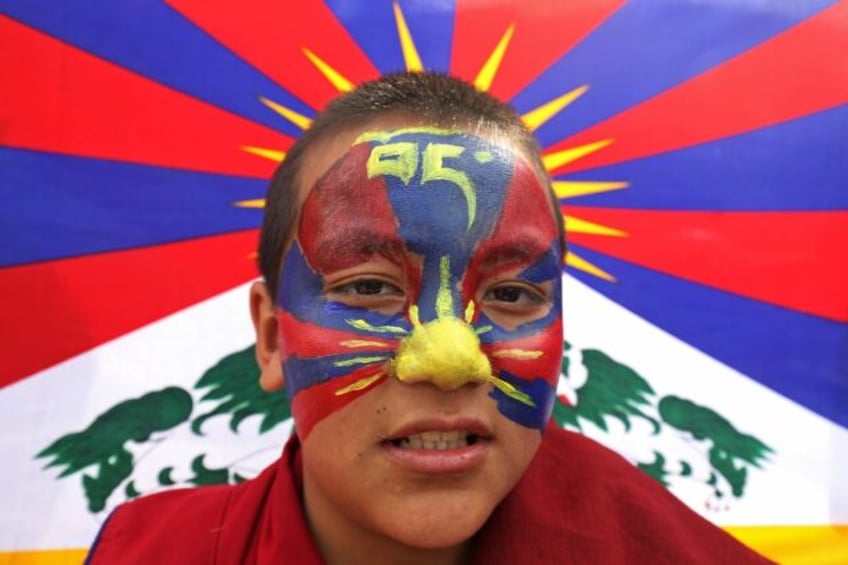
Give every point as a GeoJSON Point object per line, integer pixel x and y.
{"type": "Point", "coordinates": [698, 147]}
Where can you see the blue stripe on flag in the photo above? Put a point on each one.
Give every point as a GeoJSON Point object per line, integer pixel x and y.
{"type": "Point", "coordinates": [59, 206]}
{"type": "Point", "coordinates": [374, 29]}
{"type": "Point", "coordinates": [798, 165]}
{"type": "Point", "coordinates": [648, 47]}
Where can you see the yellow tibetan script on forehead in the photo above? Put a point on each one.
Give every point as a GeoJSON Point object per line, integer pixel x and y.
{"type": "Point", "coordinates": [401, 159]}
{"type": "Point", "coordinates": [386, 136]}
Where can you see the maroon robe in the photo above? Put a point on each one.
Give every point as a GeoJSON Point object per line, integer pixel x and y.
{"type": "Point", "coordinates": [578, 502]}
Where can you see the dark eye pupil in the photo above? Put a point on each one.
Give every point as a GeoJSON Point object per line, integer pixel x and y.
{"type": "Point", "coordinates": [507, 293]}
{"type": "Point", "coordinates": [368, 287]}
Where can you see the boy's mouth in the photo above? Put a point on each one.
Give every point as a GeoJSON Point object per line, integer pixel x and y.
{"type": "Point", "coordinates": [441, 445]}
{"type": "Point", "coordinates": [436, 440]}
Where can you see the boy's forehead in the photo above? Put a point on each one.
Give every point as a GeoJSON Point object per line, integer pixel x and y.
{"type": "Point", "coordinates": [321, 156]}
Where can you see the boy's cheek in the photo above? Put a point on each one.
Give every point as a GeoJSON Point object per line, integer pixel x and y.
{"type": "Point", "coordinates": [329, 352]}
{"type": "Point", "coordinates": [538, 355]}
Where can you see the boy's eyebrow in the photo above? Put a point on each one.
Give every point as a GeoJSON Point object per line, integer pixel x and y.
{"type": "Point", "coordinates": [352, 244]}
{"type": "Point", "coordinates": [515, 250]}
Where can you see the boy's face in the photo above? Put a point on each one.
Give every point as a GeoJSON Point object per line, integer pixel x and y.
{"type": "Point", "coordinates": [420, 330]}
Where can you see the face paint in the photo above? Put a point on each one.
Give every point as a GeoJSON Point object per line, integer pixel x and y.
{"type": "Point", "coordinates": [467, 231]}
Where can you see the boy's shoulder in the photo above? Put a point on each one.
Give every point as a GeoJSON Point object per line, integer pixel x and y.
{"type": "Point", "coordinates": [582, 502]}
{"type": "Point", "coordinates": [212, 524]}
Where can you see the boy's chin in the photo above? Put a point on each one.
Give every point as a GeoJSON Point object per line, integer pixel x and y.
{"type": "Point", "coordinates": [444, 526]}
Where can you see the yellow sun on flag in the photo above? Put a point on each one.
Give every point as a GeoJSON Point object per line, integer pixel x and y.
{"type": "Point", "coordinates": [533, 119]}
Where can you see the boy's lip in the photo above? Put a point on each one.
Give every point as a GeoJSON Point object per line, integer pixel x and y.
{"type": "Point", "coordinates": [439, 461]}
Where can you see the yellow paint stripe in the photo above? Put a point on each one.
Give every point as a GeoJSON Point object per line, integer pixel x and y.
{"type": "Point", "coordinates": [469, 311]}
{"type": "Point", "coordinates": [362, 343]}
{"type": "Point", "coordinates": [581, 264]}
{"type": "Point", "coordinates": [797, 545]}
{"type": "Point", "coordinates": [555, 160]}
{"type": "Point", "coordinates": [296, 118]}
{"type": "Point", "coordinates": [490, 68]}
{"type": "Point", "coordinates": [363, 325]}
{"type": "Point", "coordinates": [336, 79]}
{"type": "Point", "coordinates": [360, 361]}
{"type": "Point", "coordinates": [360, 384]}
{"type": "Point", "coordinates": [43, 557]}
{"type": "Point", "coordinates": [572, 189]}
{"type": "Point", "coordinates": [511, 391]}
{"type": "Point", "coordinates": [444, 299]}
{"type": "Point", "coordinates": [410, 53]}
{"type": "Point", "coordinates": [258, 203]}
{"type": "Point", "coordinates": [517, 354]}
{"type": "Point", "coordinates": [539, 116]}
{"type": "Point", "coordinates": [576, 225]}
{"type": "Point", "coordinates": [270, 154]}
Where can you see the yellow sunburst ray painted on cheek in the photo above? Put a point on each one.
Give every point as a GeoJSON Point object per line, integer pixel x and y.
{"type": "Point", "coordinates": [258, 203]}
{"type": "Point", "coordinates": [360, 361]}
{"type": "Point", "coordinates": [362, 343]}
{"type": "Point", "coordinates": [469, 311]}
{"type": "Point", "coordinates": [555, 160]}
{"type": "Point", "coordinates": [296, 118]}
{"type": "Point", "coordinates": [576, 225]}
{"type": "Point", "coordinates": [336, 79]}
{"type": "Point", "coordinates": [361, 384]}
{"type": "Point", "coordinates": [265, 153]}
{"type": "Point", "coordinates": [414, 316]}
{"type": "Point", "coordinates": [517, 354]}
{"type": "Point", "coordinates": [581, 264]}
{"type": "Point", "coordinates": [511, 391]}
{"type": "Point", "coordinates": [365, 326]}
{"type": "Point", "coordinates": [487, 73]}
{"type": "Point", "coordinates": [410, 53]}
{"type": "Point", "coordinates": [572, 189]}
{"type": "Point", "coordinates": [539, 116]}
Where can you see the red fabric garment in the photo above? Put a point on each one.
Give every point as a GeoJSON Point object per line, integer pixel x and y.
{"type": "Point", "coordinates": [577, 503]}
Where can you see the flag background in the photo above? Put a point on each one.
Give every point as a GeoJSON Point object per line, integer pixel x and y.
{"type": "Point", "coordinates": [698, 148]}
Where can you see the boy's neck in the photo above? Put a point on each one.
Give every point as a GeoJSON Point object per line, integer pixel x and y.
{"type": "Point", "coordinates": [373, 552]}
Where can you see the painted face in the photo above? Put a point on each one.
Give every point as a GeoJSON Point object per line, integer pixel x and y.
{"type": "Point", "coordinates": [465, 284]}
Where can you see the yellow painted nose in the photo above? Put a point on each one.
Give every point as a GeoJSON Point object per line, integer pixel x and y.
{"type": "Point", "coordinates": [445, 352]}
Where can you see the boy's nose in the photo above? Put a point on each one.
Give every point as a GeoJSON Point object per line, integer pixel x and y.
{"type": "Point", "coordinates": [445, 352]}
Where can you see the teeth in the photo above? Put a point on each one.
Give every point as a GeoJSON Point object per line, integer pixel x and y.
{"type": "Point", "coordinates": [436, 440]}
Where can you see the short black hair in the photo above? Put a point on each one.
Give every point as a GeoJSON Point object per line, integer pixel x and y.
{"type": "Point", "coordinates": [430, 98]}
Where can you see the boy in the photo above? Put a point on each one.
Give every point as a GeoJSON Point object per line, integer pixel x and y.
{"type": "Point", "coordinates": [411, 256]}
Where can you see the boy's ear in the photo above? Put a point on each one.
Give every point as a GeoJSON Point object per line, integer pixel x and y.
{"type": "Point", "coordinates": [264, 317]}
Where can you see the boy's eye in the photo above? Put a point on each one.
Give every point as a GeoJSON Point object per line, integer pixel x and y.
{"type": "Point", "coordinates": [368, 287]}
{"type": "Point", "coordinates": [512, 303]}
{"type": "Point", "coordinates": [514, 294]}
{"type": "Point", "coordinates": [369, 293]}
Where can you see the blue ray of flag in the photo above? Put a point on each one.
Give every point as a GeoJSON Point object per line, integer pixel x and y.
{"type": "Point", "coordinates": [648, 47]}
{"type": "Point", "coordinates": [797, 165]}
{"type": "Point", "coordinates": [800, 356]}
{"type": "Point", "coordinates": [154, 41]}
{"type": "Point", "coordinates": [374, 30]}
{"type": "Point", "coordinates": [73, 206]}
